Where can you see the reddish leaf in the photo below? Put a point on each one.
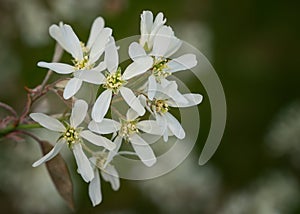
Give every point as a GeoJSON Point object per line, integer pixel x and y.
{"type": "Point", "coordinates": [59, 174]}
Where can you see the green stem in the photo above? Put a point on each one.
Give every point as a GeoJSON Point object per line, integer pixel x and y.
{"type": "Point", "coordinates": [10, 128]}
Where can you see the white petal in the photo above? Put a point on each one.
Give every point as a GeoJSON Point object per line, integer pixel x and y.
{"type": "Point", "coordinates": [48, 122]}
{"type": "Point", "coordinates": [56, 33]}
{"type": "Point", "coordinates": [162, 41]}
{"type": "Point", "coordinates": [145, 26]}
{"type": "Point", "coordinates": [132, 100]}
{"type": "Point", "coordinates": [131, 114]}
{"type": "Point", "coordinates": [101, 105]}
{"type": "Point", "coordinates": [84, 166]}
{"type": "Point", "coordinates": [183, 62]}
{"type": "Point", "coordinates": [111, 56]}
{"type": "Point", "coordinates": [100, 67]}
{"type": "Point", "coordinates": [60, 68]}
{"type": "Point", "coordinates": [66, 37]}
{"type": "Point", "coordinates": [146, 22]}
{"type": "Point", "coordinates": [96, 28]}
{"type": "Point", "coordinates": [78, 114]}
{"type": "Point", "coordinates": [137, 67]}
{"type": "Point", "coordinates": [112, 154]}
{"type": "Point", "coordinates": [135, 51]}
{"type": "Point", "coordinates": [92, 76]}
{"type": "Point", "coordinates": [149, 126]}
{"type": "Point", "coordinates": [151, 87]}
{"type": "Point", "coordinates": [72, 87]}
{"type": "Point", "coordinates": [106, 126]}
{"type": "Point", "coordinates": [158, 23]}
{"type": "Point", "coordinates": [72, 42]}
{"type": "Point", "coordinates": [174, 45]}
{"type": "Point", "coordinates": [97, 140]}
{"type": "Point", "coordinates": [161, 122]}
{"type": "Point", "coordinates": [171, 90]}
{"type": "Point", "coordinates": [143, 150]}
{"type": "Point", "coordinates": [99, 45]}
{"type": "Point", "coordinates": [193, 99]}
{"type": "Point", "coordinates": [175, 126]}
{"type": "Point", "coordinates": [95, 189]}
{"type": "Point", "coordinates": [53, 152]}
{"type": "Point", "coordinates": [111, 175]}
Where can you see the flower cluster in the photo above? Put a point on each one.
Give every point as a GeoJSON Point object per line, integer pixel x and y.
{"type": "Point", "coordinates": [97, 62]}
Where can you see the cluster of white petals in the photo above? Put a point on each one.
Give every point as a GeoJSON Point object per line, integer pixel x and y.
{"type": "Point", "coordinates": [97, 62]}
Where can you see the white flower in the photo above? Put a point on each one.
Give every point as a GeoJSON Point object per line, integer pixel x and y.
{"type": "Point", "coordinates": [149, 28]}
{"type": "Point", "coordinates": [115, 82]}
{"type": "Point", "coordinates": [165, 45]}
{"type": "Point", "coordinates": [168, 96]}
{"type": "Point", "coordinates": [101, 164]}
{"type": "Point", "coordinates": [85, 58]}
{"type": "Point", "coordinates": [129, 130]}
{"type": "Point", "coordinates": [72, 135]}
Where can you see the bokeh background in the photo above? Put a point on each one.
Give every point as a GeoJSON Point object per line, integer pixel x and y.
{"type": "Point", "coordinates": [254, 47]}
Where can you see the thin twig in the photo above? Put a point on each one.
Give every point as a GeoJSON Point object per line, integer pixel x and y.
{"type": "Point", "coordinates": [56, 57]}
{"type": "Point", "coordinates": [8, 108]}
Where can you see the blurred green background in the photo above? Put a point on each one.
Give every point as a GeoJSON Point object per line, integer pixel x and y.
{"type": "Point", "coordinates": [254, 47]}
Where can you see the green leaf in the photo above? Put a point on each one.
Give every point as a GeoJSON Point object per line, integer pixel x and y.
{"type": "Point", "coordinates": [59, 174]}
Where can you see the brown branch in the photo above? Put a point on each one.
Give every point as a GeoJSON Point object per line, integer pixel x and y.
{"type": "Point", "coordinates": [9, 108]}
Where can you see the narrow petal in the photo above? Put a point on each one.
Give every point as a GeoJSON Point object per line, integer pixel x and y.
{"type": "Point", "coordinates": [48, 122]}
{"type": "Point", "coordinates": [53, 152]}
{"type": "Point", "coordinates": [183, 62]}
{"type": "Point", "coordinates": [162, 123]}
{"type": "Point", "coordinates": [84, 166]}
{"type": "Point", "coordinates": [99, 45]}
{"type": "Point", "coordinates": [175, 126]}
{"type": "Point", "coordinates": [151, 87]}
{"type": "Point", "coordinates": [78, 114]}
{"type": "Point", "coordinates": [111, 56]}
{"type": "Point", "coordinates": [138, 66]}
{"type": "Point", "coordinates": [145, 26]}
{"type": "Point", "coordinates": [113, 153]}
{"type": "Point", "coordinates": [143, 150]}
{"type": "Point", "coordinates": [171, 90]}
{"type": "Point", "coordinates": [132, 100]}
{"type": "Point", "coordinates": [162, 41]}
{"type": "Point", "coordinates": [101, 105]}
{"type": "Point", "coordinates": [96, 28]}
{"type": "Point", "coordinates": [95, 189]}
{"type": "Point", "coordinates": [149, 126]}
{"type": "Point", "coordinates": [174, 45]}
{"type": "Point", "coordinates": [72, 42]}
{"type": "Point", "coordinates": [60, 68]}
{"type": "Point", "coordinates": [106, 126]}
{"type": "Point", "coordinates": [100, 67]}
{"type": "Point", "coordinates": [72, 87]}
{"type": "Point", "coordinates": [135, 51]}
{"type": "Point", "coordinates": [131, 114]}
{"type": "Point", "coordinates": [111, 175]}
{"type": "Point", "coordinates": [55, 33]}
{"type": "Point", "coordinates": [91, 76]}
{"type": "Point", "coordinates": [97, 140]}
{"type": "Point", "coordinates": [193, 99]}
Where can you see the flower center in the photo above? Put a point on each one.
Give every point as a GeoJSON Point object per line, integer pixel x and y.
{"type": "Point", "coordinates": [114, 81]}
{"type": "Point", "coordinates": [159, 69]}
{"type": "Point", "coordinates": [82, 64]}
{"type": "Point", "coordinates": [160, 106]}
{"type": "Point", "coordinates": [71, 136]}
{"type": "Point", "coordinates": [128, 128]}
